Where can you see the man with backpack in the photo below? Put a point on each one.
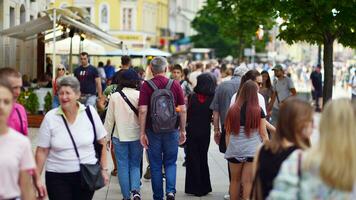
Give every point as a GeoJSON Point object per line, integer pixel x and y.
{"type": "Point", "coordinates": [161, 110]}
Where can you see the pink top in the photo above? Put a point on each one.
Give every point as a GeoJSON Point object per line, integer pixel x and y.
{"type": "Point", "coordinates": [15, 156]}
{"type": "Point", "coordinates": [18, 115]}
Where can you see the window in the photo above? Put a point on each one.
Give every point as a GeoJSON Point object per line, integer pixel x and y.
{"type": "Point", "coordinates": [22, 14]}
{"type": "Point", "coordinates": [12, 17]}
{"type": "Point", "coordinates": [63, 5]}
{"type": "Point", "coordinates": [89, 11]}
{"type": "Point", "coordinates": [104, 14]}
{"type": "Point", "coordinates": [127, 19]}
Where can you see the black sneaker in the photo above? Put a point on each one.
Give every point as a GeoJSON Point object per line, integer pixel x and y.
{"type": "Point", "coordinates": [171, 196]}
{"type": "Point", "coordinates": [136, 195]}
{"type": "Point", "coordinates": [184, 164]}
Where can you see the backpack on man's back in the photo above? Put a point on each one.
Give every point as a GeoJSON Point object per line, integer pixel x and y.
{"type": "Point", "coordinates": [162, 109]}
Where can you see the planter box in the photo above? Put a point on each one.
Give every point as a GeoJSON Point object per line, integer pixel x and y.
{"type": "Point", "coordinates": [34, 121]}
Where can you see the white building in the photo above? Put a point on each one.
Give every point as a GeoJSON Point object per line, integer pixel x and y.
{"type": "Point", "coordinates": [181, 14]}
{"type": "Point", "coordinates": [14, 53]}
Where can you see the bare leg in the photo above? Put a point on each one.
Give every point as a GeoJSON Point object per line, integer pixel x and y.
{"type": "Point", "coordinates": [235, 183]}
{"type": "Point", "coordinates": [247, 179]}
{"type": "Point", "coordinates": [113, 158]}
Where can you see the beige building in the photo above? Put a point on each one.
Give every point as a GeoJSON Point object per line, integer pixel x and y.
{"type": "Point", "coordinates": [18, 54]}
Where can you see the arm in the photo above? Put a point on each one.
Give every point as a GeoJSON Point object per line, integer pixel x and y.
{"type": "Point", "coordinates": [217, 131]}
{"type": "Point", "coordinates": [25, 183]}
{"type": "Point", "coordinates": [263, 130]}
{"type": "Point", "coordinates": [270, 127]}
{"type": "Point", "coordinates": [98, 87]}
{"type": "Point", "coordinates": [273, 99]}
{"type": "Point", "coordinates": [293, 91]}
{"type": "Point", "coordinates": [103, 161]}
{"type": "Point", "coordinates": [41, 157]}
{"type": "Point", "coordinates": [182, 123]}
{"type": "Point", "coordinates": [142, 120]}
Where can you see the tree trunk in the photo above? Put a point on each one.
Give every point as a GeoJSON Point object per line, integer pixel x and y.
{"type": "Point", "coordinates": [319, 54]}
{"type": "Point", "coordinates": [328, 69]}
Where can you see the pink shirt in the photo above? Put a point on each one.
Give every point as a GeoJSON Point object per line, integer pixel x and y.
{"type": "Point", "coordinates": [18, 115]}
{"type": "Point", "coordinates": [15, 156]}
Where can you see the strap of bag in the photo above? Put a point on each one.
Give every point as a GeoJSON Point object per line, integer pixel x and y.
{"type": "Point", "coordinates": [21, 122]}
{"type": "Point", "coordinates": [71, 137]}
{"type": "Point", "coordinates": [152, 84]}
{"type": "Point", "coordinates": [133, 108]}
{"type": "Point", "coordinates": [275, 90]}
{"type": "Point", "coordinates": [87, 110]}
{"type": "Point", "coordinates": [299, 174]}
{"type": "Point", "coordinates": [169, 84]}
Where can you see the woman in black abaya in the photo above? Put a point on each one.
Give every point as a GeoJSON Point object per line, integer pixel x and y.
{"type": "Point", "coordinates": [197, 180]}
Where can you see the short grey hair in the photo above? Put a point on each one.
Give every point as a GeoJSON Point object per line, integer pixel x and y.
{"type": "Point", "coordinates": [158, 64]}
{"type": "Point", "coordinates": [69, 81]}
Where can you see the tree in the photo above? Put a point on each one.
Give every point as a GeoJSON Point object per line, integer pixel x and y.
{"type": "Point", "coordinates": [318, 22]}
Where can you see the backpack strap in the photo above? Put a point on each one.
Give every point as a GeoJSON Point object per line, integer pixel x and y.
{"type": "Point", "coordinates": [21, 122]}
{"type": "Point", "coordinates": [152, 84]}
{"type": "Point", "coordinates": [169, 84]}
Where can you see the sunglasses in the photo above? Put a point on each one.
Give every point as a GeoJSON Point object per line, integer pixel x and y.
{"type": "Point", "coordinates": [60, 69]}
{"type": "Point", "coordinates": [259, 84]}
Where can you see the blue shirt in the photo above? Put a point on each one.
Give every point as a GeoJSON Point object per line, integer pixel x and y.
{"type": "Point", "coordinates": [109, 71]}
{"type": "Point", "coordinates": [86, 77]}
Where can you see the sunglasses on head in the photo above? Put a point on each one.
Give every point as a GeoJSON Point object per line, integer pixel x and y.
{"type": "Point", "coordinates": [60, 69]}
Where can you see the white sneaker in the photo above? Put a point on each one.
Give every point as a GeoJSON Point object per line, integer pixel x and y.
{"type": "Point", "coordinates": [227, 197]}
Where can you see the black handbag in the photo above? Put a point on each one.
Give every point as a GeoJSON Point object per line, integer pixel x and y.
{"type": "Point", "coordinates": [90, 174]}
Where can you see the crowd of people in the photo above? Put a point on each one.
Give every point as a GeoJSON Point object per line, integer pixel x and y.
{"type": "Point", "coordinates": [262, 129]}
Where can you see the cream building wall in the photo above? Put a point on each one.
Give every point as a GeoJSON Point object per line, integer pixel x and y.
{"type": "Point", "coordinates": [15, 53]}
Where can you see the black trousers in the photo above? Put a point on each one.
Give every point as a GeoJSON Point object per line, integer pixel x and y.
{"type": "Point", "coordinates": [66, 186]}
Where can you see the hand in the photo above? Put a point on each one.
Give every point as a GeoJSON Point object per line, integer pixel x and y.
{"type": "Point", "coordinates": [144, 140]}
{"type": "Point", "coordinates": [182, 137]}
{"type": "Point", "coordinates": [41, 190]}
{"type": "Point", "coordinates": [108, 145]}
{"type": "Point", "coordinates": [105, 177]}
{"type": "Point", "coordinates": [217, 135]}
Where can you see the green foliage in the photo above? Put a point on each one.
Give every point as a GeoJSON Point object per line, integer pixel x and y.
{"type": "Point", "coordinates": [32, 104]}
{"type": "Point", "coordinates": [48, 102]}
{"type": "Point", "coordinates": [230, 26]}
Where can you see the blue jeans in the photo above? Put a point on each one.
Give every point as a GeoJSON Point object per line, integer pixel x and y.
{"type": "Point", "coordinates": [128, 158]}
{"type": "Point", "coordinates": [88, 100]}
{"type": "Point", "coordinates": [163, 150]}
{"type": "Point", "coordinates": [55, 101]}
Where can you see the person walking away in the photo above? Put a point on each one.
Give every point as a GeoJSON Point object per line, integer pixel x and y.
{"type": "Point", "coordinates": [352, 84]}
{"type": "Point", "coordinates": [245, 130]}
{"type": "Point", "coordinates": [122, 120]}
{"type": "Point", "coordinates": [293, 130]}
{"type": "Point", "coordinates": [102, 75]}
{"type": "Point", "coordinates": [317, 87]}
{"type": "Point", "coordinates": [18, 117]}
{"type": "Point", "coordinates": [17, 164]}
{"type": "Point", "coordinates": [61, 71]}
{"type": "Point", "coordinates": [159, 133]}
{"type": "Point", "coordinates": [109, 70]}
{"type": "Point", "coordinates": [283, 88]}
{"type": "Point", "coordinates": [199, 67]}
{"type": "Point", "coordinates": [199, 115]}
{"type": "Point", "coordinates": [328, 169]}
{"type": "Point", "coordinates": [221, 104]}
{"type": "Point", "coordinates": [90, 83]}
{"type": "Point", "coordinates": [66, 140]}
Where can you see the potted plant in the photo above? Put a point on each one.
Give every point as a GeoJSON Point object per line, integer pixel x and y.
{"type": "Point", "coordinates": [30, 101]}
{"type": "Point", "coordinates": [48, 102]}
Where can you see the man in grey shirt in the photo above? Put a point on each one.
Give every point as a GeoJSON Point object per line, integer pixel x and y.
{"type": "Point", "coordinates": [283, 88]}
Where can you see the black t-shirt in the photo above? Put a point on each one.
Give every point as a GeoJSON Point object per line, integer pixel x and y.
{"type": "Point", "coordinates": [316, 80]}
{"type": "Point", "coordinates": [243, 114]}
{"type": "Point", "coordinates": [86, 77]}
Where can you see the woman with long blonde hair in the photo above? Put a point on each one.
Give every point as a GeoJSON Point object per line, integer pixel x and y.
{"type": "Point", "coordinates": [328, 169]}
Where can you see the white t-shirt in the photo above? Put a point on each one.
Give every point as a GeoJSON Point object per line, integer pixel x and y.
{"type": "Point", "coordinates": [15, 156]}
{"type": "Point", "coordinates": [119, 113]}
{"type": "Point", "coordinates": [54, 135]}
{"type": "Point", "coordinates": [261, 101]}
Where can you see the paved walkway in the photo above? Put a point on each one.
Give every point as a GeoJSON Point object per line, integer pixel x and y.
{"type": "Point", "coordinates": [218, 175]}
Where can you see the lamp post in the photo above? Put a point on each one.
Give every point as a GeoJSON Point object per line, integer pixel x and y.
{"type": "Point", "coordinates": [54, 45]}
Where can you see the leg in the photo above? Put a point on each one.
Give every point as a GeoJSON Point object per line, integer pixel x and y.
{"type": "Point", "coordinates": [122, 156]}
{"type": "Point", "coordinates": [114, 172]}
{"type": "Point", "coordinates": [91, 100]}
{"type": "Point", "coordinates": [57, 186]}
{"type": "Point", "coordinates": [170, 153]}
{"type": "Point", "coordinates": [246, 179]}
{"type": "Point", "coordinates": [155, 158]}
{"type": "Point", "coordinates": [234, 189]}
{"type": "Point", "coordinates": [135, 157]}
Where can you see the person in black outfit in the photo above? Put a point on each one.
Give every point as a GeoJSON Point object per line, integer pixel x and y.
{"type": "Point", "coordinates": [317, 89]}
{"type": "Point", "coordinates": [199, 116]}
{"type": "Point", "coordinates": [293, 130]}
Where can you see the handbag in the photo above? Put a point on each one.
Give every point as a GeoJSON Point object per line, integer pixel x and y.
{"type": "Point", "coordinates": [90, 174]}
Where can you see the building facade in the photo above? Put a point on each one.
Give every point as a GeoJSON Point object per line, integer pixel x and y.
{"type": "Point", "coordinates": [138, 23]}
{"type": "Point", "coordinates": [21, 55]}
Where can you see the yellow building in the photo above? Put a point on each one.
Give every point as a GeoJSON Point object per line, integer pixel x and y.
{"type": "Point", "coordinates": [138, 23]}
